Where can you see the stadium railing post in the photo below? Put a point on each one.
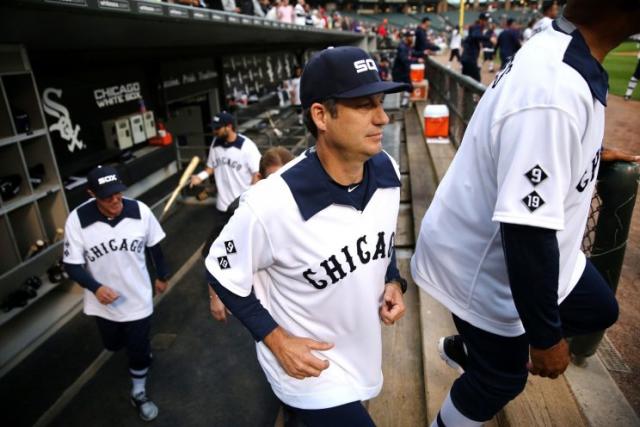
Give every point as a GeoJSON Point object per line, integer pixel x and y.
{"type": "Point", "coordinates": [617, 188]}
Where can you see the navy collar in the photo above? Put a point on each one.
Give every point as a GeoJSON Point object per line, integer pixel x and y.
{"type": "Point", "coordinates": [89, 213]}
{"type": "Point", "coordinates": [313, 190]}
{"type": "Point", "coordinates": [218, 142]}
{"type": "Point", "coordinates": [579, 57]}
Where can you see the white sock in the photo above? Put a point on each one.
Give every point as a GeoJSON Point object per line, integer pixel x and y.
{"type": "Point", "coordinates": [631, 86]}
{"type": "Point", "coordinates": [138, 381]}
{"type": "Point", "coordinates": [451, 417]}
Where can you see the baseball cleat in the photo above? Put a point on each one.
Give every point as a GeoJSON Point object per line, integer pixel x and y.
{"type": "Point", "coordinates": [453, 351]}
{"type": "Point", "coordinates": [146, 408]}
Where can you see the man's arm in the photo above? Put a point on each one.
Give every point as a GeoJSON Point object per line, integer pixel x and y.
{"type": "Point", "coordinates": [200, 176]}
{"type": "Point", "coordinates": [393, 307]}
{"type": "Point", "coordinates": [293, 353]}
{"type": "Point", "coordinates": [533, 265]}
{"type": "Point", "coordinates": [80, 275]}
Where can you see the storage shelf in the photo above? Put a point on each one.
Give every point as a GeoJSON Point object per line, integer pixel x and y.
{"type": "Point", "coordinates": [22, 137]}
{"type": "Point", "coordinates": [46, 287]}
{"type": "Point", "coordinates": [43, 191]}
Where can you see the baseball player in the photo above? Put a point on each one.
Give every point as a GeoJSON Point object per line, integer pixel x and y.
{"type": "Point", "coordinates": [234, 160]}
{"type": "Point", "coordinates": [272, 160]}
{"type": "Point", "coordinates": [471, 47]}
{"type": "Point", "coordinates": [405, 56]}
{"type": "Point", "coordinates": [320, 232]}
{"type": "Point", "coordinates": [633, 81]}
{"type": "Point", "coordinates": [104, 252]}
{"type": "Point", "coordinates": [508, 42]}
{"type": "Point", "coordinates": [549, 11]}
{"type": "Point", "coordinates": [500, 244]}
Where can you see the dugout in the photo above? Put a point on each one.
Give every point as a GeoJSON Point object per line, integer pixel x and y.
{"type": "Point", "coordinates": [72, 73]}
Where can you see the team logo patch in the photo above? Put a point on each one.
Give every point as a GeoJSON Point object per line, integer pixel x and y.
{"type": "Point", "coordinates": [223, 262]}
{"type": "Point", "coordinates": [536, 175]}
{"type": "Point", "coordinates": [533, 201]}
{"type": "Point", "coordinates": [230, 247]}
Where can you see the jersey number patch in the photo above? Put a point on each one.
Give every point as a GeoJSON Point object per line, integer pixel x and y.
{"type": "Point", "coordinates": [533, 201]}
{"type": "Point", "coordinates": [223, 262]}
{"type": "Point", "coordinates": [230, 247]}
{"type": "Point", "coordinates": [536, 175]}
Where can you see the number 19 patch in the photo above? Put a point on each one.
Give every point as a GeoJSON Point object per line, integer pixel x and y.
{"type": "Point", "coordinates": [533, 201]}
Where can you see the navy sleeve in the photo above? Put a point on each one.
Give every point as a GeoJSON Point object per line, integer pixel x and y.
{"type": "Point", "coordinates": [158, 261]}
{"type": "Point", "coordinates": [392, 270]}
{"type": "Point", "coordinates": [79, 274]}
{"type": "Point", "coordinates": [533, 264]}
{"type": "Point", "coordinates": [248, 310]}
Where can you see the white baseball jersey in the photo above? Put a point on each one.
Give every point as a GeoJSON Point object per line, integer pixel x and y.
{"type": "Point", "coordinates": [233, 166]}
{"type": "Point", "coordinates": [113, 253]}
{"type": "Point", "coordinates": [529, 156]}
{"type": "Point", "coordinates": [541, 25]}
{"type": "Point", "coordinates": [321, 267]}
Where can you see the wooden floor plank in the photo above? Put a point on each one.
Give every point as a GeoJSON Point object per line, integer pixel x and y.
{"type": "Point", "coordinates": [402, 401]}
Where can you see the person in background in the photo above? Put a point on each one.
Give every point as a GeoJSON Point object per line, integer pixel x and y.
{"type": "Point", "coordinates": [454, 45]}
{"type": "Point", "coordinates": [549, 11]}
{"type": "Point", "coordinates": [104, 252]}
{"type": "Point", "coordinates": [423, 44]}
{"type": "Point", "coordinates": [405, 56]}
{"type": "Point", "coordinates": [271, 162]}
{"type": "Point", "coordinates": [284, 12]}
{"type": "Point", "coordinates": [300, 14]}
{"type": "Point", "coordinates": [633, 81]}
{"type": "Point", "coordinates": [471, 47]}
{"type": "Point", "coordinates": [508, 43]}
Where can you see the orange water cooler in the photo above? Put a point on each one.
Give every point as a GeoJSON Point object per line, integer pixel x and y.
{"type": "Point", "coordinates": [417, 72]}
{"type": "Point", "coordinates": [436, 121]}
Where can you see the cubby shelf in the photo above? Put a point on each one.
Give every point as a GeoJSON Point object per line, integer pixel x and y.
{"type": "Point", "coordinates": [37, 207]}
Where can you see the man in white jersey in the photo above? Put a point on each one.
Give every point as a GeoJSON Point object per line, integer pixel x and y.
{"type": "Point", "coordinates": [234, 160]}
{"type": "Point", "coordinates": [500, 243]}
{"type": "Point", "coordinates": [320, 233]}
{"type": "Point", "coordinates": [549, 13]}
{"type": "Point", "coordinates": [104, 252]}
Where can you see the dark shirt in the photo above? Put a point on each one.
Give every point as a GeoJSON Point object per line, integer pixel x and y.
{"type": "Point", "coordinates": [472, 44]}
{"type": "Point", "coordinates": [422, 42]}
{"type": "Point", "coordinates": [508, 43]}
{"type": "Point", "coordinates": [405, 56]}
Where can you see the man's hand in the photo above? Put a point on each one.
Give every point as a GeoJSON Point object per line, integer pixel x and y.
{"type": "Point", "coordinates": [217, 307]}
{"type": "Point", "coordinates": [195, 181]}
{"type": "Point", "coordinates": [161, 286]}
{"type": "Point", "coordinates": [550, 362]}
{"type": "Point", "coordinates": [611, 155]}
{"type": "Point", "coordinates": [294, 353]}
{"type": "Point", "coordinates": [392, 303]}
{"type": "Point", "coordinates": [106, 295]}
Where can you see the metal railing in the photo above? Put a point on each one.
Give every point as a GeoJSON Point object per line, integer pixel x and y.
{"type": "Point", "coordinates": [459, 93]}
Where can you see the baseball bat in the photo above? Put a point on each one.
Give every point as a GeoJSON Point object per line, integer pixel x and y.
{"type": "Point", "coordinates": [183, 181]}
{"type": "Point", "coordinates": [276, 131]}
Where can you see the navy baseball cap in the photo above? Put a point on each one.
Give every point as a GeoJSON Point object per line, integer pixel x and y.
{"type": "Point", "coordinates": [484, 16]}
{"type": "Point", "coordinates": [105, 181]}
{"type": "Point", "coordinates": [221, 119]}
{"type": "Point", "coordinates": [342, 73]}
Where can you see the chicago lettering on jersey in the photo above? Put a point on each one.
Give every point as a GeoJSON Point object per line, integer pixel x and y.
{"type": "Point", "coordinates": [338, 266]}
{"type": "Point", "coordinates": [589, 174]}
{"type": "Point", "coordinates": [225, 161]}
{"type": "Point", "coordinates": [104, 248]}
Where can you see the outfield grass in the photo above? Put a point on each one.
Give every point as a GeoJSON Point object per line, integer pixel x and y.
{"type": "Point", "coordinates": [620, 69]}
